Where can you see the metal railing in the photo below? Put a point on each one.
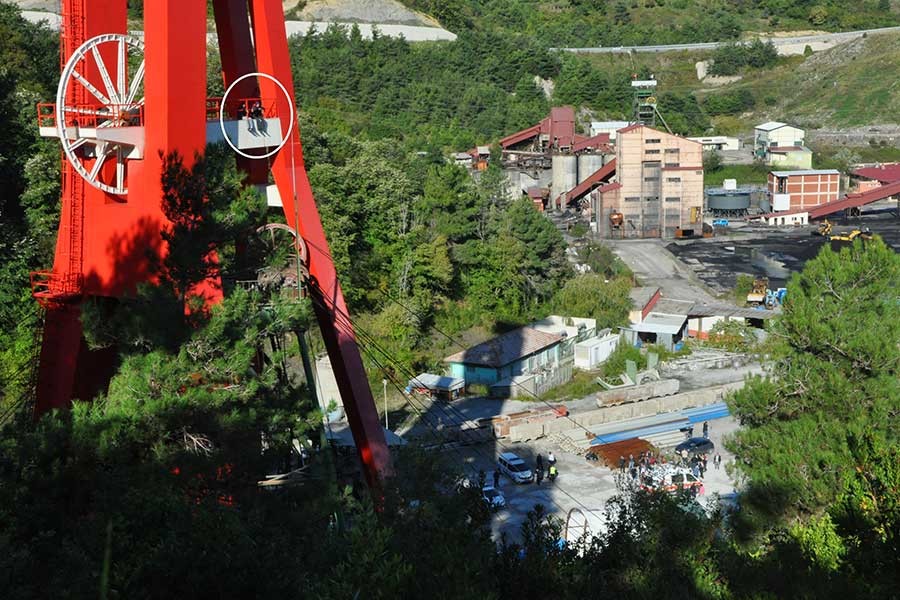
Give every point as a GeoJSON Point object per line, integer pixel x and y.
{"type": "Point", "coordinates": [241, 108]}
{"type": "Point", "coordinates": [92, 115]}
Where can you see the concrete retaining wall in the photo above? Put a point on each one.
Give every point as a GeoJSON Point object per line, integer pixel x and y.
{"type": "Point", "coordinates": [638, 392]}
{"type": "Point", "coordinates": [610, 414]}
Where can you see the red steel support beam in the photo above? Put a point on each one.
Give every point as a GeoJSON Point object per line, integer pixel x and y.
{"type": "Point", "coordinates": [273, 58]}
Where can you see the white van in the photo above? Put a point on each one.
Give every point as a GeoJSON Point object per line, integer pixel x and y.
{"type": "Point", "coordinates": [515, 468]}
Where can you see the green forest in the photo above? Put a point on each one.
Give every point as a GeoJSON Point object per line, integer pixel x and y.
{"type": "Point", "coordinates": [150, 490]}
{"type": "Point", "coordinates": [588, 23]}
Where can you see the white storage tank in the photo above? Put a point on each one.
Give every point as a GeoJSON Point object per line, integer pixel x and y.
{"type": "Point", "coordinates": [588, 164]}
{"type": "Point", "coordinates": [565, 174]}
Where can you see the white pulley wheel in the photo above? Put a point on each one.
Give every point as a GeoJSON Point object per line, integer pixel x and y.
{"type": "Point", "coordinates": [118, 104]}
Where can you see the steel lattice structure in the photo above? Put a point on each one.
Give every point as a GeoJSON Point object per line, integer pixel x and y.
{"type": "Point", "coordinates": [123, 104]}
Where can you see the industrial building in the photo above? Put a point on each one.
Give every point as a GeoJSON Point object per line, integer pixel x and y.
{"type": "Point", "coordinates": [658, 186]}
{"type": "Point", "coordinates": [608, 127]}
{"type": "Point", "coordinates": [715, 143]}
{"type": "Point", "coordinates": [871, 177]}
{"type": "Point", "coordinates": [776, 135]}
{"type": "Point", "coordinates": [551, 156]}
{"type": "Point", "coordinates": [797, 191]}
{"type": "Point", "coordinates": [728, 201]}
{"type": "Point", "coordinates": [797, 157]}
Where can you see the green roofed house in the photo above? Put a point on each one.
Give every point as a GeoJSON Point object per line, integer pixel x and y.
{"type": "Point", "coordinates": [523, 362]}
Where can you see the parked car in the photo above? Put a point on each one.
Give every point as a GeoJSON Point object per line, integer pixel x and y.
{"type": "Point", "coordinates": [493, 497]}
{"type": "Point", "coordinates": [515, 467]}
{"type": "Point", "coordinates": [696, 445]}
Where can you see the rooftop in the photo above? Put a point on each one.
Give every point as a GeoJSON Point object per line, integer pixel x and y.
{"type": "Point", "coordinates": [780, 149]}
{"type": "Point", "coordinates": [436, 382]}
{"type": "Point", "coordinates": [771, 126]}
{"type": "Point", "coordinates": [506, 348]}
{"type": "Point", "coordinates": [882, 173]}
{"type": "Point", "coordinates": [806, 172]}
{"type": "Point", "coordinates": [641, 296]}
{"type": "Point", "coordinates": [659, 323]}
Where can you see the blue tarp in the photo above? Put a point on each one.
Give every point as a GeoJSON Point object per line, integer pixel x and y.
{"type": "Point", "coordinates": [688, 417]}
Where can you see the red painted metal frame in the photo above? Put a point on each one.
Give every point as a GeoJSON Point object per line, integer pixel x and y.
{"type": "Point", "coordinates": [103, 239]}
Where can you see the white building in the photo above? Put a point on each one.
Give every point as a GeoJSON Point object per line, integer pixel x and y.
{"type": "Point", "coordinates": [610, 127]}
{"type": "Point", "coordinates": [775, 134]}
{"type": "Point", "coordinates": [718, 142]}
{"type": "Point", "coordinates": [594, 351]}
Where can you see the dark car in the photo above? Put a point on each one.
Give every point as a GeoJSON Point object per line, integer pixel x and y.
{"type": "Point", "coordinates": [696, 445]}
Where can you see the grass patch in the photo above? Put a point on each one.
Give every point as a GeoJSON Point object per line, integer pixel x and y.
{"type": "Point", "coordinates": [583, 383]}
{"type": "Point", "coordinates": [755, 173]}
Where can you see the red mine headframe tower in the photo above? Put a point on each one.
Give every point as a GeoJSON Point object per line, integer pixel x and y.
{"type": "Point", "coordinates": [123, 103]}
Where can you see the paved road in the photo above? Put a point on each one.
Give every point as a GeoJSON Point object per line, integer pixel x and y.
{"type": "Point", "coordinates": [655, 266]}
{"type": "Point", "coordinates": [824, 38]}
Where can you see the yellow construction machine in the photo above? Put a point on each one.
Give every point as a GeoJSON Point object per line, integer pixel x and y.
{"type": "Point", "coordinates": [864, 235]}
{"type": "Point", "coordinates": [824, 229]}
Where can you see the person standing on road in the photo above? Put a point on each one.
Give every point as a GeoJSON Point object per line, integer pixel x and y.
{"type": "Point", "coordinates": [539, 461]}
{"type": "Point", "coordinates": [621, 464]}
{"type": "Point", "coordinates": [496, 478]}
{"type": "Point", "coordinates": [630, 461]}
{"type": "Point", "coordinates": [717, 461]}
{"type": "Point", "coordinates": [684, 456]}
{"type": "Point", "coordinates": [539, 476]}
{"type": "Point", "coordinates": [706, 429]}
{"type": "Point", "coordinates": [551, 460]}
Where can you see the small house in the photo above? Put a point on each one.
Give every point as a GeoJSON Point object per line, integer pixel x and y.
{"type": "Point", "coordinates": [505, 362]}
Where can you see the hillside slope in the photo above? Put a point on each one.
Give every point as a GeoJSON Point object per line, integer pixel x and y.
{"type": "Point", "coordinates": [356, 11]}
{"type": "Point", "coordinates": [852, 84]}
{"type": "Point", "coordinates": [580, 23]}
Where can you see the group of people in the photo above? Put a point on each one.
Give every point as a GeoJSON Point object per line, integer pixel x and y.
{"type": "Point", "coordinates": [637, 468]}
{"type": "Point", "coordinates": [256, 110]}
{"type": "Point", "coordinates": [552, 473]}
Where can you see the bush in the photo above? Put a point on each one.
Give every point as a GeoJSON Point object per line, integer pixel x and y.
{"type": "Point", "coordinates": [615, 364]}
{"type": "Point", "coordinates": [712, 161]}
{"type": "Point", "coordinates": [742, 288]}
{"type": "Point", "coordinates": [729, 103]}
{"type": "Point", "coordinates": [730, 59]}
{"type": "Point", "coordinates": [733, 336]}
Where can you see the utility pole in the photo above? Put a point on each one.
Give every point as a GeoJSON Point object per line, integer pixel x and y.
{"type": "Point", "coordinates": [384, 384]}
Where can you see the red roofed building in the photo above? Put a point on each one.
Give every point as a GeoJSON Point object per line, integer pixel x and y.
{"type": "Point", "coordinates": [868, 178]}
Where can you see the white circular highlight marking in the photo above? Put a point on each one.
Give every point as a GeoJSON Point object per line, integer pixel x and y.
{"type": "Point", "coordinates": [222, 115]}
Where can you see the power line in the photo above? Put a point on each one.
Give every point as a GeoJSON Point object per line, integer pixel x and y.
{"type": "Point", "coordinates": [453, 341]}
{"type": "Point", "coordinates": [372, 341]}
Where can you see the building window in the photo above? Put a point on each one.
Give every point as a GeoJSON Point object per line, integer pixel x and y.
{"type": "Point", "coordinates": [673, 179]}
{"type": "Point", "coordinates": [632, 216]}
{"type": "Point", "coordinates": [656, 151]}
{"type": "Point", "coordinates": [651, 178]}
{"type": "Point", "coordinates": [633, 199]}
{"type": "Point", "coordinates": [672, 165]}
{"type": "Point", "coordinates": [672, 150]}
{"type": "Point", "coordinates": [673, 199]}
{"type": "Point", "coordinates": [652, 199]}
{"type": "Point", "coordinates": [652, 141]}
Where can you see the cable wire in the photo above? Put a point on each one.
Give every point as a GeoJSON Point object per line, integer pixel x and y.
{"type": "Point", "coordinates": [370, 340]}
